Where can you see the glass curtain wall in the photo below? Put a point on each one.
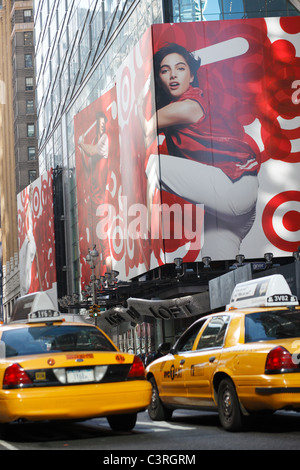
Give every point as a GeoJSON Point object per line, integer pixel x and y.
{"type": "Point", "coordinates": [176, 11]}
{"type": "Point", "coordinates": [80, 45]}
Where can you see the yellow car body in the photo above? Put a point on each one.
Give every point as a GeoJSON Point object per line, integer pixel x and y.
{"type": "Point", "coordinates": [50, 379]}
{"type": "Point", "coordinates": [218, 365]}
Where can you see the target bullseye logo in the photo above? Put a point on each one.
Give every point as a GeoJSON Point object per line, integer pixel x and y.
{"type": "Point", "coordinates": [36, 201]}
{"type": "Point", "coordinates": [281, 221]}
{"type": "Point", "coordinates": [125, 93]}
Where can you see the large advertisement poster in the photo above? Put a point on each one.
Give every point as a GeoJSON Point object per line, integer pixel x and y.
{"type": "Point", "coordinates": [207, 149]}
{"type": "Point", "coordinates": [167, 225]}
{"type": "Point", "coordinates": [36, 237]}
{"type": "Point", "coordinates": [98, 184]}
{"type": "Point", "coordinates": [227, 95]}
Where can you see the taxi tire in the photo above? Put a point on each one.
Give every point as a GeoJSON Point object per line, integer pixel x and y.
{"type": "Point", "coordinates": [3, 430]}
{"type": "Point", "coordinates": [156, 410]}
{"type": "Point", "coordinates": [123, 422]}
{"type": "Point", "coordinates": [230, 413]}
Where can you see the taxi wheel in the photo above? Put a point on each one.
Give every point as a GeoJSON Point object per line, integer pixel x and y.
{"type": "Point", "coordinates": [156, 410]}
{"type": "Point", "coordinates": [125, 422]}
{"type": "Point", "coordinates": [229, 409]}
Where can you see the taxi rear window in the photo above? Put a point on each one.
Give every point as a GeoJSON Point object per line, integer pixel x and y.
{"type": "Point", "coordinates": [272, 324]}
{"type": "Point", "coordinates": [56, 338]}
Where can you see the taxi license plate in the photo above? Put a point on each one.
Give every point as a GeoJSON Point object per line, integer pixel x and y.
{"type": "Point", "coordinates": [78, 376]}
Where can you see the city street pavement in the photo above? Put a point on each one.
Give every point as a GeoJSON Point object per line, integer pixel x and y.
{"type": "Point", "coordinates": [187, 434]}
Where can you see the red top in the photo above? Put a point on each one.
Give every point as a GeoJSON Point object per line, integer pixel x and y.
{"type": "Point", "coordinates": [213, 140]}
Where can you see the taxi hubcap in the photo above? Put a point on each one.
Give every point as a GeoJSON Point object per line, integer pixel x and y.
{"type": "Point", "coordinates": [227, 404]}
{"type": "Point", "coordinates": [154, 399]}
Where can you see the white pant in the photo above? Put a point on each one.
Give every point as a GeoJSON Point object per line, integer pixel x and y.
{"type": "Point", "coordinates": [229, 205]}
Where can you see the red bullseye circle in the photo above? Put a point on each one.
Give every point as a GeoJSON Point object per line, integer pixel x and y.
{"type": "Point", "coordinates": [126, 93]}
{"type": "Point", "coordinates": [290, 220]}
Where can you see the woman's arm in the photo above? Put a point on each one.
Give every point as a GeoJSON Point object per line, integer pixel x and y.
{"type": "Point", "coordinates": [96, 150]}
{"type": "Point", "coordinates": [181, 112]}
{"type": "Point", "coordinates": [89, 149]}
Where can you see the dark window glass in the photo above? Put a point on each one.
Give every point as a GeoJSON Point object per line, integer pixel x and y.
{"type": "Point", "coordinates": [268, 325]}
{"type": "Point", "coordinates": [43, 339]}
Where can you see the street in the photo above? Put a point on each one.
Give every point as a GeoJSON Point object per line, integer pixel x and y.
{"type": "Point", "coordinates": [188, 431]}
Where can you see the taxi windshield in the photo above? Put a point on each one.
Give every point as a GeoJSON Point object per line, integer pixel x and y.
{"type": "Point", "coordinates": [56, 338]}
{"type": "Point", "coordinates": [272, 324]}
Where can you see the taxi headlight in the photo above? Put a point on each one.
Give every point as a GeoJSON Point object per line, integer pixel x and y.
{"type": "Point", "coordinates": [100, 372]}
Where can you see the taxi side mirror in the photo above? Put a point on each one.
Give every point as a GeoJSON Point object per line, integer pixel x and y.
{"type": "Point", "coordinates": [164, 348]}
{"type": "Point", "coordinates": [173, 351]}
{"type": "Point", "coordinates": [2, 350]}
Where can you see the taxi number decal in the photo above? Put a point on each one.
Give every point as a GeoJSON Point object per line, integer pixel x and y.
{"type": "Point", "coordinates": [173, 373]}
{"type": "Point", "coordinates": [79, 356]}
{"type": "Point", "coordinates": [120, 358]}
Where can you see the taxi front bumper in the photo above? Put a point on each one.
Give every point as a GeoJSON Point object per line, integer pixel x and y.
{"type": "Point", "coordinates": [74, 402]}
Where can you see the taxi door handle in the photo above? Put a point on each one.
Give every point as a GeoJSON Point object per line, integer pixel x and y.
{"type": "Point", "coordinates": [212, 358]}
{"type": "Point", "coordinates": [182, 362]}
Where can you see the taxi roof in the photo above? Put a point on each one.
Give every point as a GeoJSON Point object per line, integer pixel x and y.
{"type": "Point", "coordinates": [269, 291]}
{"type": "Point", "coordinates": [39, 308]}
{"type": "Point", "coordinates": [31, 303]}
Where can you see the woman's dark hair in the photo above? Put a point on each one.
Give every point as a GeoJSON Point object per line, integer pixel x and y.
{"type": "Point", "coordinates": [172, 48]}
{"type": "Point", "coordinates": [99, 115]}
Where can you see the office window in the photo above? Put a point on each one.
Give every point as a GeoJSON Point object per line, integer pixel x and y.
{"type": "Point", "coordinates": [29, 107]}
{"type": "Point", "coordinates": [28, 60]}
{"type": "Point", "coordinates": [30, 130]}
{"type": "Point", "coordinates": [31, 153]}
{"type": "Point", "coordinates": [28, 83]}
{"type": "Point", "coordinates": [31, 175]}
{"type": "Point", "coordinates": [27, 16]}
{"type": "Point", "coordinates": [28, 38]}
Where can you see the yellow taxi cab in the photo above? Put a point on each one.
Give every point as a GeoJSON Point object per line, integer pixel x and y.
{"type": "Point", "coordinates": [237, 362]}
{"type": "Point", "coordinates": [53, 369]}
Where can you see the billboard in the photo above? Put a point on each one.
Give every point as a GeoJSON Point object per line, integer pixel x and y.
{"type": "Point", "coordinates": [209, 149]}
{"type": "Point", "coordinates": [36, 237]}
{"type": "Point", "coordinates": [237, 152]}
{"type": "Point", "coordinates": [98, 183]}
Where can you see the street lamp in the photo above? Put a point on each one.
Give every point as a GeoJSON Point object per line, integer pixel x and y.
{"type": "Point", "coordinates": [178, 266]}
{"type": "Point", "coordinates": [206, 261]}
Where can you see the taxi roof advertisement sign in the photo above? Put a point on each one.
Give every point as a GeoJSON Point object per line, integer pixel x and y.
{"type": "Point", "coordinates": [36, 237]}
{"type": "Point", "coordinates": [206, 155]}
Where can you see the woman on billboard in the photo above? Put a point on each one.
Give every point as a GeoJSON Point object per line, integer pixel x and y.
{"type": "Point", "coordinates": [208, 159]}
{"type": "Point", "coordinates": [98, 155]}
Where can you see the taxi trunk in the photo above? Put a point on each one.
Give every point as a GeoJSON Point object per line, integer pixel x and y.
{"type": "Point", "coordinates": [68, 385]}
{"type": "Point", "coordinates": [269, 378]}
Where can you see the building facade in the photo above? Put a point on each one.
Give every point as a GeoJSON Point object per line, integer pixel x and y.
{"type": "Point", "coordinates": [23, 57]}
{"type": "Point", "coordinates": [19, 161]}
{"type": "Point", "coordinates": [80, 46]}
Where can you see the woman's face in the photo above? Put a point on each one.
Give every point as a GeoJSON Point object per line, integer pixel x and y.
{"type": "Point", "coordinates": [101, 125]}
{"type": "Point", "coordinates": [175, 75]}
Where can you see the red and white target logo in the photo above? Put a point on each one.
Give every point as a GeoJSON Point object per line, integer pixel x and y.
{"type": "Point", "coordinates": [116, 238]}
{"type": "Point", "coordinates": [125, 93]}
{"type": "Point", "coordinates": [36, 202]}
{"type": "Point", "coordinates": [281, 221]}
